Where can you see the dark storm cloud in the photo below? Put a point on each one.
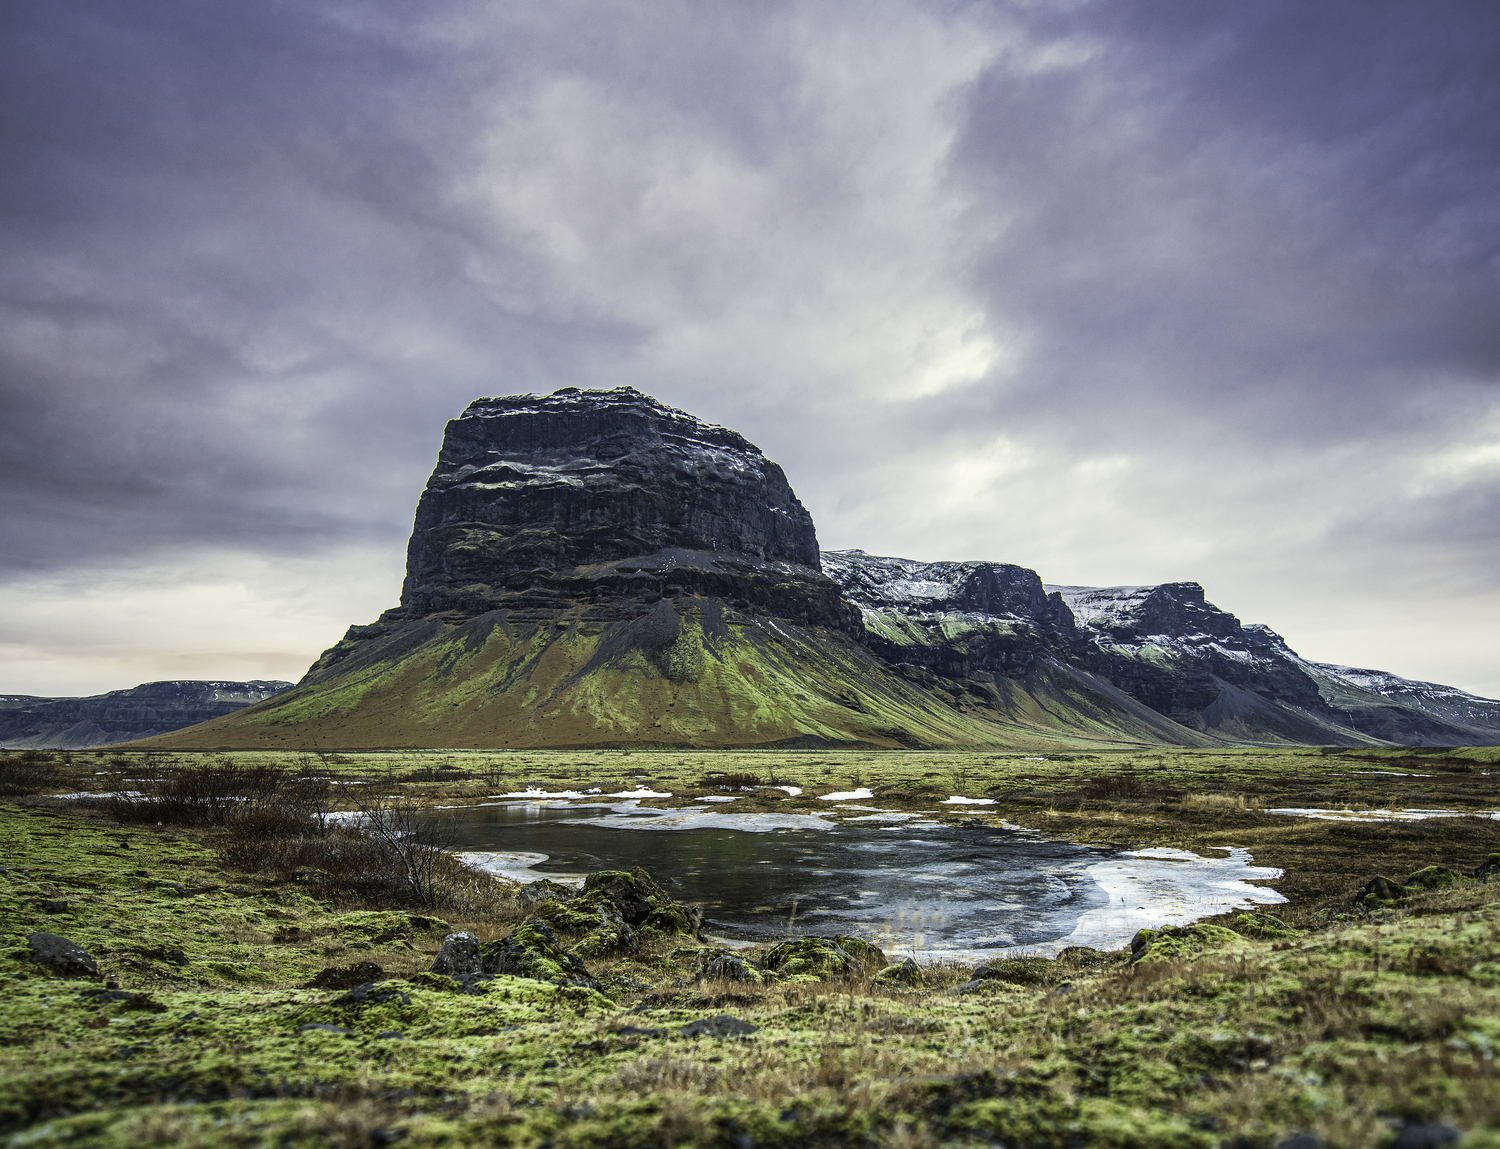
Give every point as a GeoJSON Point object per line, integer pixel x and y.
{"type": "Point", "coordinates": [1280, 216]}
{"type": "Point", "coordinates": [1041, 283]}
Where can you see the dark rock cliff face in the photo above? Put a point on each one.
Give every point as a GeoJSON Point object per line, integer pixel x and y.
{"type": "Point", "coordinates": [1172, 649]}
{"type": "Point", "coordinates": [1165, 646]}
{"type": "Point", "coordinates": [955, 619]}
{"type": "Point", "coordinates": [602, 493]}
{"type": "Point", "coordinates": [28, 722]}
{"type": "Point", "coordinates": [604, 503]}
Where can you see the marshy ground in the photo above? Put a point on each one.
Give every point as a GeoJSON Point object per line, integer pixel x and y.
{"type": "Point", "coordinates": [1361, 1021]}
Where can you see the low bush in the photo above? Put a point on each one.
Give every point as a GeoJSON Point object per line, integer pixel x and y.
{"type": "Point", "coordinates": [394, 855]}
{"type": "Point", "coordinates": [27, 772]}
{"type": "Point", "coordinates": [1114, 787]}
{"type": "Point", "coordinates": [264, 799]}
{"type": "Point", "coordinates": [729, 781]}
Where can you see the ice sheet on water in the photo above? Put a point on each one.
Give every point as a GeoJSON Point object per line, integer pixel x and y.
{"type": "Point", "coordinates": [516, 865]}
{"type": "Point", "coordinates": [697, 818]}
{"type": "Point", "coordinates": [1158, 887]}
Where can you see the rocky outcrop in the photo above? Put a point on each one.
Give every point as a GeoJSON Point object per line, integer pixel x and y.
{"type": "Point", "coordinates": [603, 496]}
{"type": "Point", "coordinates": [31, 723]}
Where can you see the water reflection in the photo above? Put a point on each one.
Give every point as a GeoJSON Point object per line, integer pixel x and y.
{"type": "Point", "coordinates": [925, 887]}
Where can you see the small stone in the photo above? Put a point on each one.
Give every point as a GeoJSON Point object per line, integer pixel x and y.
{"type": "Point", "coordinates": [459, 955]}
{"type": "Point", "coordinates": [55, 906]}
{"type": "Point", "coordinates": [637, 1031]}
{"type": "Point", "coordinates": [1420, 1136]}
{"type": "Point", "coordinates": [372, 993]}
{"type": "Point", "coordinates": [175, 957]}
{"type": "Point", "coordinates": [907, 973]}
{"type": "Point", "coordinates": [721, 1026]}
{"type": "Point", "coordinates": [730, 967]}
{"type": "Point", "coordinates": [347, 976]}
{"type": "Point", "coordinates": [63, 957]}
{"type": "Point", "coordinates": [1301, 1139]}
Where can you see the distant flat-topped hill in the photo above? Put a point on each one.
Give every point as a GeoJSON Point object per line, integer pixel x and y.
{"type": "Point", "coordinates": [31, 723]}
{"type": "Point", "coordinates": [592, 568]}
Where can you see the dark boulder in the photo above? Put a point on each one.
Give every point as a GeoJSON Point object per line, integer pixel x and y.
{"type": "Point", "coordinates": [458, 955]}
{"type": "Point", "coordinates": [534, 950]}
{"type": "Point", "coordinates": [63, 957]}
{"type": "Point", "coordinates": [347, 976]}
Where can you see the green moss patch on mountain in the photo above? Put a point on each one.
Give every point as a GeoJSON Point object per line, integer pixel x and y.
{"type": "Point", "coordinates": [719, 679]}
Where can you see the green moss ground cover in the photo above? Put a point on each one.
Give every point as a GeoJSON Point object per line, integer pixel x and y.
{"type": "Point", "coordinates": [1342, 1015]}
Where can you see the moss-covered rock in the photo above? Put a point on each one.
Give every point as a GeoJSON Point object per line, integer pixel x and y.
{"type": "Point", "coordinates": [810, 959]}
{"type": "Point", "coordinates": [1380, 889]}
{"type": "Point", "coordinates": [1264, 926]}
{"type": "Point", "coordinates": [1019, 971]}
{"type": "Point", "coordinates": [1489, 867]}
{"type": "Point", "coordinates": [615, 911]}
{"type": "Point", "coordinates": [1434, 878]}
{"type": "Point", "coordinates": [534, 950]}
{"type": "Point", "coordinates": [726, 965]}
{"type": "Point", "coordinates": [1173, 942]}
{"type": "Point", "coordinates": [907, 974]}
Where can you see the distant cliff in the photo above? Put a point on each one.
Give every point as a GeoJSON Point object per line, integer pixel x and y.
{"type": "Point", "coordinates": [152, 708]}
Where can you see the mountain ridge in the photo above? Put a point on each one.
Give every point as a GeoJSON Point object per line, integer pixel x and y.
{"type": "Point", "coordinates": [32, 722]}
{"type": "Point", "coordinates": [594, 568]}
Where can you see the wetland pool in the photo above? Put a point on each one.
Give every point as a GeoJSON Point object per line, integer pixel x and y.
{"type": "Point", "coordinates": [910, 884]}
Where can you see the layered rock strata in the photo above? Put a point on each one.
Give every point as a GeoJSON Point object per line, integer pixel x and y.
{"type": "Point", "coordinates": [32, 723]}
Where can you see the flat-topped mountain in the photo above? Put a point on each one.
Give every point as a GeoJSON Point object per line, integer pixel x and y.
{"type": "Point", "coordinates": [592, 568]}
{"type": "Point", "coordinates": [532, 495]}
{"type": "Point", "coordinates": [28, 722]}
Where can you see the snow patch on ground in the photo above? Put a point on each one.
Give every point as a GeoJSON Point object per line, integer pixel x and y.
{"type": "Point", "coordinates": [960, 800]}
{"type": "Point", "coordinates": [1417, 815]}
{"type": "Point", "coordinates": [847, 795]}
{"type": "Point", "coordinates": [536, 792]}
{"type": "Point", "coordinates": [106, 794]}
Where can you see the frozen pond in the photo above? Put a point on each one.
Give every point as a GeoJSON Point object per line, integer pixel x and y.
{"type": "Point", "coordinates": [910, 884]}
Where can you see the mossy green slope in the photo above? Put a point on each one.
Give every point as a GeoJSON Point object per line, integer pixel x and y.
{"type": "Point", "coordinates": [721, 678]}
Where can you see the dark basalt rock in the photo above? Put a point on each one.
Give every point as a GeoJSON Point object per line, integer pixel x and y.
{"type": "Point", "coordinates": [63, 957]}
{"type": "Point", "coordinates": [597, 494]}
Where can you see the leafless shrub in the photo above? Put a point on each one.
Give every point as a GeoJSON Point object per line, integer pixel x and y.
{"type": "Point", "coordinates": [27, 772]}
{"type": "Point", "coordinates": [255, 802]}
{"type": "Point", "coordinates": [728, 781]}
{"type": "Point", "coordinates": [415, 840]}
{"type": "Point", "coordinates": [1114, 788]}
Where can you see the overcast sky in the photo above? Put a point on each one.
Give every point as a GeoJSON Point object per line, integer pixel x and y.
{"type": "Point", "coordinates": [1125, 291]}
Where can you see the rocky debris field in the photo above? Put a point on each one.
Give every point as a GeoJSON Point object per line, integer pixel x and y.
{"type": "Point", "coordinates": [155, 995]}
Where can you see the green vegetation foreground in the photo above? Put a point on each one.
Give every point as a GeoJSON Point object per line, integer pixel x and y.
{"type": "Point", "coordinates": [1364, 1019]}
